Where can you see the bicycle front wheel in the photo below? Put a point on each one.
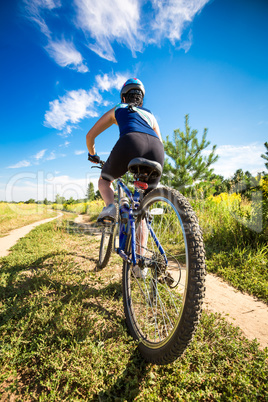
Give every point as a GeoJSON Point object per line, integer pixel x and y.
{"type": "Point", "coordinates": [106, 245]}
{"type": "Point", "coordinates": [163, 294]}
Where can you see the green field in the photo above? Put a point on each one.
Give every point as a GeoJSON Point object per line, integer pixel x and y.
{"type": "Point", "coordinates": [13, 216]}
{"type": "Point", "coordinates": [64, 338]}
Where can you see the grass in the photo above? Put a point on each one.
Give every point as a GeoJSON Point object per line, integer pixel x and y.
{"type": "Point", "coordinates": [91, 208]}
{"type": "Point", "coordinates": [13, 216]}
{"type": "Point", "coordinates": [63, 334]}
{"type": "Point", "coordinates": [244, 268]}
{"type": "Point", "coordinates": [234, 251]}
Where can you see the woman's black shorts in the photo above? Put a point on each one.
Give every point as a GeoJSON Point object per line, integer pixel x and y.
{"type": "Point", "coordinates": [128, 147]}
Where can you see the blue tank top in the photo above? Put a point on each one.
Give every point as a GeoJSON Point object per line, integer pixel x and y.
{"type": "Point", "coordinates": [134, 119]}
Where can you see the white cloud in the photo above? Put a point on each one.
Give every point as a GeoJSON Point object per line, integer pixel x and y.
{"type": "Point", "coordinates": [72, 107]}
{"type": "Point", "coordinates": [20, 164]}
{"type": "Point", "coordinates": [245, 157]}
{"type": "Point", "coordinates": [134, 23]}
{"type": "Point", "coordinates": [106, 82]}
{"type": "Point", "coordinates": [106, 21]}
{"type": "Point", "coordinates": [35, 9]}
{"type": "Point", "coordinates": [77, 105]}
{"type": "Point", "coordinates": [171, 17]}
{"type": "Point", "coordinates": [52, 156]}
{"type": "Point", "coordinates": [186, 44]}
{"type": "Point", "coordinates": [131, 23]}
{"type": "Point", "coordinates": [39, 185]}
{"type": "Point", "coordinates": [79, 152]}
{"type": "Point", "coordinates": [65, 55]}
{"type": "Point", "coordinates": [35, 159]}
{"type": "Point", "coordinates": [62, 52]}
{"type": "Point", "coordinates": [65, 145]}
{"type": "Point", "coordinates": [49, 4]}
{"type": "Point", "coordinates": [39, 154]}
{"type": "Point", "coordinates": [67, 131]}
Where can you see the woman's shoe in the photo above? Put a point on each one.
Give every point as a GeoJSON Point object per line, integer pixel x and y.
{"type": "Point", "coordinates": [139, 273]}
{"type": "Point", "coordinates": [107, 215]}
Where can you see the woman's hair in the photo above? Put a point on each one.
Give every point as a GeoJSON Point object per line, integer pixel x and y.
{"type": "Point", "coordinates": [134, 97]}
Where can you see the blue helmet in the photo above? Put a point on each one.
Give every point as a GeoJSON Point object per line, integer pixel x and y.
{"type": "Point", "coordinates": [132, 83]}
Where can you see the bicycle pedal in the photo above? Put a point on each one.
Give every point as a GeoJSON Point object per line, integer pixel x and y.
{"type": "Point", "coordinates": [106, 221]}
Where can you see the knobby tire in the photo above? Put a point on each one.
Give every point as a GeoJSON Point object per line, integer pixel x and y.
{"type": "Point", "coordinates": [163, 315]}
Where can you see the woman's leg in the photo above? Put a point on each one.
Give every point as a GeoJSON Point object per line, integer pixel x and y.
{"type": "Point", "coordinates": [108, 214]}
{"type": "Point", "coordinates": [107, 191]}
{"type": "Point", "coordinates": [141, 238]}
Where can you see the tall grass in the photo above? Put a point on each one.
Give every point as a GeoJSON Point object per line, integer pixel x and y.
{"type": "Point", "coordinates": [13, 216]}
{"type": "Point", "coordinates": [235, 251]}
{"type": "Point", "coordinates": [90, 208]}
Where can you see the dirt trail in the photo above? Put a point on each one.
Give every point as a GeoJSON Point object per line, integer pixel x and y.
{"type": "Point", "coordinates": [242, 310]}
{"type": "Point", "coordinates": [11, 239]}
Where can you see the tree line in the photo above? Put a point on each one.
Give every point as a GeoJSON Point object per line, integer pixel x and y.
{"type": "Point", "coordinates": [188, 168]}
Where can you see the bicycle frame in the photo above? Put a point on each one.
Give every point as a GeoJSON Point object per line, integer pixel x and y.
{"type": "Point", "coordinates": [124, 227]}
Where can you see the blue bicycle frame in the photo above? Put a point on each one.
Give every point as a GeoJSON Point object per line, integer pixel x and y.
{"type": "Point", "coordinates": [124, 227]}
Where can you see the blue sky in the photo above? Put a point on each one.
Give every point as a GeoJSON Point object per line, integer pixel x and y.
{"type": "Point", "coordinates": [62, 66]}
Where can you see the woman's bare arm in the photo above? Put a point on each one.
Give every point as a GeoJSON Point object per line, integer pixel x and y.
{"type": "Point", "coordinates": [157, 130]}
{"type": "Point", "coordinates": [102, 124]}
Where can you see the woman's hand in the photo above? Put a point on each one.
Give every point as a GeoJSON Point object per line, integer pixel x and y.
{"type": "Point", "coordinates": [93, 158]}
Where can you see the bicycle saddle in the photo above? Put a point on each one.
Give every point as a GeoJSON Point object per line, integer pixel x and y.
{"type": "Point", "coordinates": [145, 168]}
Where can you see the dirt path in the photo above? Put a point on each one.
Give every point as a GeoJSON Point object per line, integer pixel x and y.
{"type": "Point", "coordinates": [11, 239]}
{"type": "Point", "coordinates": [242, 310]}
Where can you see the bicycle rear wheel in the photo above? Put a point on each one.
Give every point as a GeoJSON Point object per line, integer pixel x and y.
{"type": "Point", "coordinates": [163, 297]}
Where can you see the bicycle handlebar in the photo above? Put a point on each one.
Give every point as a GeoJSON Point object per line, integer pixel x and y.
{"type": "Point", "coordinates": [98, 165]}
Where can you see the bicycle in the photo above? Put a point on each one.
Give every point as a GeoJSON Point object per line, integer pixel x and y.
{"type": "Point", "coordinates": [163, 255]}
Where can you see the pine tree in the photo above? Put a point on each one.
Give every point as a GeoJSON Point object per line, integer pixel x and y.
{"type": "Point", "coordinates": [90, 192]}
{"type": "Point", "coordinates": [265, 156]}
{"type": "Point", "coordinates": [188, 164]}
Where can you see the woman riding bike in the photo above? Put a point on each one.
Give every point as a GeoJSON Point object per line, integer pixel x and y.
{"type": "Point", "coordinates": [160, 240]}
{"type": "Point", "coordinates": [139, 137]}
